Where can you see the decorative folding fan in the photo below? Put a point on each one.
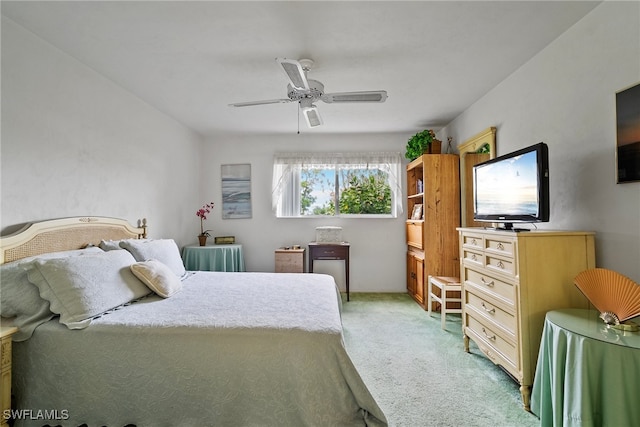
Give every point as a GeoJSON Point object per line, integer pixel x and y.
{"type": "Point", "coordinates": [616, 296]}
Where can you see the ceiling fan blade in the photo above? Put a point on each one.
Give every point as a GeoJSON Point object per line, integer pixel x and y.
{"type": "Point", "coordinates": [268, 101]}
{"type": "Point", "coordinates": [295, 73]}
{"type": "Point", "coordinates": [367, 96]}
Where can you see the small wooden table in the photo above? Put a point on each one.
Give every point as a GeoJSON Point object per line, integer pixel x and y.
{"type": "Point", "coordinates": [290, 260]}
{"type": "Point", "coordinates": [330, 251]}
{"type": "Point", "coordinates": [5, 370]}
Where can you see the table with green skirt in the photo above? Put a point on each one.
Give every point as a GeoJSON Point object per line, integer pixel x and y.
{"type": "Point", "coordinates": [587, 374]}
{"type": "Point", "coordinates": [213, 258]}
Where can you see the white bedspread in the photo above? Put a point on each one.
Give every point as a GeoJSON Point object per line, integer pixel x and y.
{"type": "Point", "coordinates": [230, 349]}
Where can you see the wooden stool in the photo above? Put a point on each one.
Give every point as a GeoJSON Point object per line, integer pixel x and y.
{"type": "Point", "coordinates": [445, 284]}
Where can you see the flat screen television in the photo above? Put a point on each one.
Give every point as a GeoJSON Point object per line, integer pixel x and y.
{"type": "Point", "coordinates": [513, 188]}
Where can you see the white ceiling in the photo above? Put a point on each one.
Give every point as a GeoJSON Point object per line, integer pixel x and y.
{"type": "Point", "coordinates": [191, 59]}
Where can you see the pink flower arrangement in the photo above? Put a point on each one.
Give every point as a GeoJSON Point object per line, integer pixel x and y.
{"type": "Point", "coordinates": [202, 213]}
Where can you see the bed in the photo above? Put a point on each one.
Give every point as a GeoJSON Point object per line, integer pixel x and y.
{"type": "Point", "coordinates": [186, 349]}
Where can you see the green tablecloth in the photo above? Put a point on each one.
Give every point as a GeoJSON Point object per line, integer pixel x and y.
{"type": "Point", "coordinates": [213, 258]}
{"type": "Point", "coordinates": [587, 374]}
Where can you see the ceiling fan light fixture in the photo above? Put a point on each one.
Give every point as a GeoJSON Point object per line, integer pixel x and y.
{"type": "Point", "coordinates": [312, 116]}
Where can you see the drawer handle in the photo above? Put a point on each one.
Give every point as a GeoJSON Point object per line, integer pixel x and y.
{"type": "Point", "coordinates": [473, 242]}
{"type": "Point", "coordinates": [488, 310]}
{"type": "Point", "coordinates": [491, 337]}
{"type": "Point", "coordinates": [489, 283]}
{"type": "Point", "coordinates": [474, 257]}
{"type": "Point", "coordinates": [329, 252]}
{"type": "Point", "coordinates": [489, 353]}
{"type": "Point", "coordinates": [500, 265]}
{"type": "Point", "coordinates": [500, 246]}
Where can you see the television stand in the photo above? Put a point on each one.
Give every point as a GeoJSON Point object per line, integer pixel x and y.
{"type": "Point", "coordinates": [509, 281]}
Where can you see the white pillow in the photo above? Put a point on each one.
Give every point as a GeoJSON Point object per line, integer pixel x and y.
{"type": "Point", "coordinates": [158, 277]}
{"type": "Point", "coordinates": [21, 300]}
{"type": "Point", "coordinates": [84, 287]}
{"type": "Point", "coordinates": [164, 250]}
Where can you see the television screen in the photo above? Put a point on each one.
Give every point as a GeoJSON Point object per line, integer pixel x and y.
{"type": "Point", "coordinates": [513, 187]}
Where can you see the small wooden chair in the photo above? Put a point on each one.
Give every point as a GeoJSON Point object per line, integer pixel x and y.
{"type": "Point", "coordinates": [446, 285]}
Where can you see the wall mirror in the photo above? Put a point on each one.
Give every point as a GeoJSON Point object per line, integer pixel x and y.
{"type": "Point", "coordinates": [475, 150]}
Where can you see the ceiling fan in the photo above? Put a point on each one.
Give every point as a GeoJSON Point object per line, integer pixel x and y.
{"type": "Point", "coordinates": [306, 91]}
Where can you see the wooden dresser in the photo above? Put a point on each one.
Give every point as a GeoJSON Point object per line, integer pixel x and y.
{"type": "Point", "coordinates": [509, 282]}
{"type": "Point", "coordinates": [5, 368]}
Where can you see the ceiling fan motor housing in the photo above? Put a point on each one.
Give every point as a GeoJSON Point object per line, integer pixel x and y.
{"type": "Point", "coordinates": [316, 90]}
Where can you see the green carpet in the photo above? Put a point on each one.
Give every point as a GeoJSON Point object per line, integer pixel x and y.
{"type": "Point", "coordinates": [419, 374]}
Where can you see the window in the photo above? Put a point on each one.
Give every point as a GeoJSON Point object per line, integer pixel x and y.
{"type": "Point", "coordinates": [337, 184]}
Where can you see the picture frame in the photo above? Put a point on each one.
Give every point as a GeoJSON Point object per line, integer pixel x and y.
{"type": "Point", "coordinates": [417, 211]}
{"type": "Point", "coordinates": [628, 135]}
{"type": "Point", "coordinates": [236, 191]}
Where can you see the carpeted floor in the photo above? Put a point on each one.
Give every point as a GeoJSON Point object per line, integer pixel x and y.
{"type": "Point", "coordinates": [420, 374]}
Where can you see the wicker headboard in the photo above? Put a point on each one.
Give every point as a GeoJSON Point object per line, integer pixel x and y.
{"type": "Point", "coordinates": [66, 234]}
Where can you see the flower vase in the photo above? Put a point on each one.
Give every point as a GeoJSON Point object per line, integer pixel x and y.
{"type": "Point", "coordinates": [202, 240]}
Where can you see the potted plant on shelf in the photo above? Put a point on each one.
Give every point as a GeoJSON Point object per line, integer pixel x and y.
{"type": "Point", "coordinates": [421, 143]}
{"type": "Point", "coordinates": [202, 213]}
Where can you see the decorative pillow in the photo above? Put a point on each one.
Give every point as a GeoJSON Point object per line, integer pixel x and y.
{"type": "Point", "coordinates": [158, 277]}
{"type": "Point", "coordinates": [84, 287]}
{"type": "Point", "coordinates": [110, 245]}
{"type": "Point", "coordinates": [20, 299]}
{"type": "Point", "coordinates": [164, 250]}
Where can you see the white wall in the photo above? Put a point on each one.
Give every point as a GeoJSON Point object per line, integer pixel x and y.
{"type": "Point", "coordinates": [378, 248]}
{"type": "Point", "coordinates": [565, 96]}
{"type": "Point", "coordinates": [74, 143]}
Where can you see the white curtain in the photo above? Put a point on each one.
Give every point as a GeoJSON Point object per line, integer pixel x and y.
{"type": "Point", "coordinates": [286, 174]}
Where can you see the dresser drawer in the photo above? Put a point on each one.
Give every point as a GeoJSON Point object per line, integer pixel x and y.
{"type": "Point", "coordinates": [472, 241]}
{"type": "Point", "coordinates": [329, 251]}
{"type": "Point", "coordinates": [500, 265]}
{"type": "Point", "coordinates": [503, 319]}
{"type": "Point", "coordinates": [499, 245]}
{"type": "Point", "coordinates": [414, 233]}
{"type": "Point", "coordinates": [486, 283]}
{"type": "Point", "coordinates": [491, 342]}
{"type": "Point", "coordinates": [473, 257]}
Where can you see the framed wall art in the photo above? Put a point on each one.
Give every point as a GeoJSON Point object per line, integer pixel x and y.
{"type": "Point", "coordinates": [628, 134]}
{"type": "Point", "coordinates": [236, 191]}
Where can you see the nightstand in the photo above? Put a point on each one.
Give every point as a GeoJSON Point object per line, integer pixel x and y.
{"type": "Point", "coordinates": [5, 370]}
{"type": "Point", "coordinates": [290, 260]}
{"type": "Point", "coordinates": [227, 257]}
{"type": "Point", "coordinates": [330, 251]}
